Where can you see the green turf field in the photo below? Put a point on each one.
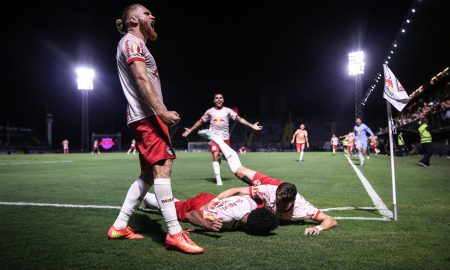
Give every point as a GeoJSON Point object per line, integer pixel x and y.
{"type": "Point", "coordinates": [67, 238]}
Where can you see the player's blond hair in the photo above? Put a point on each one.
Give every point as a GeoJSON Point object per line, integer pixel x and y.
{"type": "Point", "coordinates": [122, 23]}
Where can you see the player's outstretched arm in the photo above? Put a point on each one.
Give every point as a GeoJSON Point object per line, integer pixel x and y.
{"type": "Point", "coordinates": [293, 137]}
{"type": "Point", "coordinates": [194, 127]}
{"type": "Point", "coordinates": [254, 126]}
{"type": "Point", "coordinates": [195, 218]}
{"type": "Point", "coordinates": [326, 222]}
{"type": "Point", "coordinates": [231, 192]}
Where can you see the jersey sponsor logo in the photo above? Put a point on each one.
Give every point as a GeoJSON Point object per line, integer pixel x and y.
{"type": "Point", "coordinates": [167, 200]}
{"type": "Point", "coordinates": [219, 120]}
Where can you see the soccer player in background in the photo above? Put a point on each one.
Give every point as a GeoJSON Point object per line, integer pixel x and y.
{"type": "Point", "coordinates": [374, 144]}
{"type": "Point", "coordinates": [65, 144]}
{"type": "Point", "coordinates": [95, 148]}
{"type": "Point", "coordinates": [360, 130]}
{"type": "Point", "coordinates": [132, 147]}
{"type": "Point", "coordinates": [301, 138]}
{"type": "Point", "coordinates": [280, 197]}
{"type": "Point", "coordinates": [235, 212]}
{"type": "Point", "coordinates": [219, 118]}
{"type": "Point", "coordinates": [334, 143]}
{"type": "Point", "coordinates": [148, 119]}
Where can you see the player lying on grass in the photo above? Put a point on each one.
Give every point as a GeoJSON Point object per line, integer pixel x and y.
{"type": "Point", "coordinates": [235, 212]}
{"type": "Point", "coordinates": [280, 197]}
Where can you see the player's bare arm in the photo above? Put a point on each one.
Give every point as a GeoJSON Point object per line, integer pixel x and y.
{"type": "Point", "coordinates": [326, 222]}
{"type": "Point", "coordinates": [293, 137]}
{"type": "Point", "coordinates": [230, 192]}
{"type": "Point", "coordinates": [195, 218]}
{"type": "Point", "coordinates": [194, 127]}
{"type": "Point", "coordinates": [145, 85]}
{"type": "Point", "coordinates": [254, 126]}
{"type": "Point", "coordinates": [307, 141]}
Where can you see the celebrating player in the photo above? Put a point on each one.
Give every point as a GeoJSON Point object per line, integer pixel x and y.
{"type": "Point", "coordinates": [95, 148]}
{"type": "Point", "coordinates": [219, 118]}
{"type": "Point", "coordinates": [334, 143]}
{"type": "Point", "coordinates": [281, 198]}
{"type": "Point", "coordinates": [132, 147]}
{"type": "Point", "coordinates": [230, 213]}
{"type": "Point", "coordinates": [360, 130]}
{"type": "Point", "coordinates": [148, 119]}
{"type": "Point", "coordinates": [65, 144]}
{"type": "Point", "coordinates": [301, 137]}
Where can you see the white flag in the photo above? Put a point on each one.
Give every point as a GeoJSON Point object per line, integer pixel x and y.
{"type": "Point", "coordinates": [394, 91]}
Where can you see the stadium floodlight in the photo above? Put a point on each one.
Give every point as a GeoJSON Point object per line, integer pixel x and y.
{"type": "Point", "coordinates": [85, 78]}
{"type": "Point", "coordinates": [395, 45]}
{"type": "Point", "coordinates": [413, 10]}
{"type": "Point", "coordinates": [403, 30]}
{"type": "Point", "coordinates": [356, 63]}
{"type": "Point", "coordinates": [408, 21]}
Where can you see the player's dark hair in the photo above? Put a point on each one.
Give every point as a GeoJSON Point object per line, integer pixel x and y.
{"type": "Point", "coordinates": [286, 192]}
{"type": "Point", "coordinates": [121, 23]}
{"type": "Point", "coordinates": [261, 221]}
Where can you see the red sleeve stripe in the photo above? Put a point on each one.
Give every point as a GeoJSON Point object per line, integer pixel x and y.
{"type": "Point", "coordinates": [250, 191]}
{"type": "Point", "coordinates": [131, 60]}
{"type": "Point", "coordinates": [316, 215]}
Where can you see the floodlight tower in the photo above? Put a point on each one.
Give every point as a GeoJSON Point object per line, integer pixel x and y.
{"type": "Point", "coordinates": [356, 69]}
{"type": "Point", "coordinates": [85, 85]}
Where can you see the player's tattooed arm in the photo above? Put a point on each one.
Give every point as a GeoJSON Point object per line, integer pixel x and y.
{"type": "Point", "coordinates": [195, 218]}
{"type": "Point", "coordinates": [254, 126]}
{"type": "Point", "coordinates": [326, 222]}
{"type": "Point", "coordinates": [148, 90]}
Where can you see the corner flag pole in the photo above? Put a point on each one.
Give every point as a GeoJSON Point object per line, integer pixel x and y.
{"type": "Point", "coordinates": [391, 146]}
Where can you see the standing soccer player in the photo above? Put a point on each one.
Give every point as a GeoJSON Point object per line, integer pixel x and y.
{"type": "Point", "coordinates": [219, 118]}
{"type": "Point", "coordinates": [301, 138]}
{"type": "Point", "coordinates": [334, 143]}
{"type": "Point", "coordinates": [65, 144]}
{"type": "Point", "coordinates": [96, 148]}
{"type": "Point", "coordinates": [148, 119]}
{"type": "Point", "coordinates": [132, 147]}
{"type": "Point", "coordinates": [360, 130]}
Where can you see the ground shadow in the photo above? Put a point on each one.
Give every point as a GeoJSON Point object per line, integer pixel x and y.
{"type": "Point", "coordinates": [144, 225]}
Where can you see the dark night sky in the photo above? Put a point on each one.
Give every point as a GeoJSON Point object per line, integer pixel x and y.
{"type": "Point", "coordinates": [246, 49]}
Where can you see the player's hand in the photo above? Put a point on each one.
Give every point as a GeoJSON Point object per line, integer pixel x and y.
{"type": "Point", "coordinates": [214, 226]}
{"type": "Point", "coordinates": [307, 145]}
{"type": "Point", "coordinates": [186, 132]}
{"type": "Point", "coordinates": [292, 141]}
{"type": "Point", "coordinates": [170, 118]}
{"type": "Point", "coordinates": [256, 126]}
{"type": "Point", "coordinates": [312, 231]}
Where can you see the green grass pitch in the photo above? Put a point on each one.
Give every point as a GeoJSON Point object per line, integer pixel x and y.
{"type": "Point", "coordinates": [62, 238]}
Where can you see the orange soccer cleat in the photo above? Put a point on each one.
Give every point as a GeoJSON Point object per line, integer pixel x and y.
{"type": "Point", "coordinates": [182, 242]}
{"type": "Point", "coordinates": [126, 233]}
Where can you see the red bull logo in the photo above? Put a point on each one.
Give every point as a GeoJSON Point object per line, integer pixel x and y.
{"type": "Point", "coordinates": [107, 143]}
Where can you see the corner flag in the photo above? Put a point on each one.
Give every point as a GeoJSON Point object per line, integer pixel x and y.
{"type": "Point", "coordinates": [393, 90]}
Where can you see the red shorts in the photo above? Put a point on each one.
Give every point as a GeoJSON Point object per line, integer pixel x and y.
{"type": "Point", "coordinates": [262, 179]}
{"type": "Point", "coordinates": [184, 207]}
{"type": "Point", "coordinates": [214, 147]}
{"type": "Point", "coordinates": [349, 147]}
{"type": "Point", "coordinates": [153, 141]}
{"type": "Point", "coordinates": [300, 146]}
{"type": "Point", "coordinates": [335, 147]}
{"type": "Point", "coordinates": [132, 147]}
{"type": "Point", "coordinates": [95, 148]}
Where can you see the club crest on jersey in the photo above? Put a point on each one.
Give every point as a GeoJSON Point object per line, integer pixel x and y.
{"type": "Point", "coordinates": [256, 183]}
{"type": "Point", "coordinates": [135, 49]}
{"type": "Point", "coordinates": [170, 151]}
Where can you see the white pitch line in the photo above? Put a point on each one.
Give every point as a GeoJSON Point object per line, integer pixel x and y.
{"type": "Point", "coordinates": [348, 208]}
{"type": "Point", "coordinates": [363, 218]}
{"type": "Point", "coordinates": [60, 205]}
{"type": "Point", "coordinates": [33, 163]}
{"type": "Point", "coordinates": [377, 201]}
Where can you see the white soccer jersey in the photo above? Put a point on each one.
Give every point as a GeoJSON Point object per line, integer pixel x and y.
{"type": "Point", "coordinates": [334, 141]}
{"type": "Point", "coordinates": [219, 120]}
{"type": "Point", "coordinates": [130, 49]}
{"type": "Point", "coordinates": [133, 143]}
{"type": "Point", "coordinates": [267, 194]}
{"type": "Point", "coordinates": [230, 210]}
{"type": "Point", "coordinates": [65, 144]}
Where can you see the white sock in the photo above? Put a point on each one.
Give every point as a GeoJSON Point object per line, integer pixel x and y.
{"type": "Point", "coordinates": [135, 194]}
{"type": "Point", "coordinates": [232, 157]}
{"type": "Point", "coordinates": [361, 158]}
{"type": "Point", "coordinates": [151, 201]}
{"type": "Point", "coordinates": [301, 155]}
{"type": "Point", "coordinates": [216, 168]}
{"type": "Point", "coordinates": [334, 151]}
{"type": "Point", "coordinates": [163, 192]}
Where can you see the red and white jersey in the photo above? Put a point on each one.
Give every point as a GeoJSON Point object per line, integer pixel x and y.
{"type": "Point", "coordinates": [301, 135]}
{"type": "Point", "coordinates": [302, 209]}
{"type": "Point", "coordinates": [130, 49]}
{"type": "Point", "coordinates": [230, 210]}
{"type": "Point", "coordinates": [219, 120]}
{"type": "Point", "coordinates": [334, 141]}
{"type": "Point", "coordinates": [65, 144]}
{"type": "Point", "coordinates": [96, 144]}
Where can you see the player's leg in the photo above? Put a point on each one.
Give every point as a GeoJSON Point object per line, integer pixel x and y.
{"type": "Point", "coordinates": [302, 148]}
{"type": "Point", "coordinates": [215, 152]}
{"type": "Point", "coordinates": [360, 154]}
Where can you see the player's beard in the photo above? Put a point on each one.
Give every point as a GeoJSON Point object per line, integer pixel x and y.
{"type": "Point", "coordinates": [148, 30]}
